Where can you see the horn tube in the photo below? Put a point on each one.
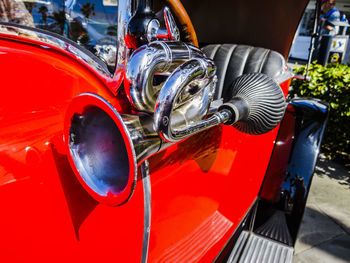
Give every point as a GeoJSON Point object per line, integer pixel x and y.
{"type": "Point", "coordinates": [155, 57]}
{"type": "Point", "coordinates": [164, 118]}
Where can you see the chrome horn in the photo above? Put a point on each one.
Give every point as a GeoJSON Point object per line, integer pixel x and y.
{"type": "Point", "coordinates": [156, 57]}
{"type": "Point", "coordinates": [106, 147]}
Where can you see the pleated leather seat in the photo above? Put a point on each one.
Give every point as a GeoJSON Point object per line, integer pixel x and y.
{"type": "Point", "coordinates": [234, 60]}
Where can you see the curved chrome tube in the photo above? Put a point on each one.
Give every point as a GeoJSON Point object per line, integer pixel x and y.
{"type": "Point", "coordinates": [174, 124]}
{"type": "Point", "coordinates": [219, 117]}
{"type": "Point", "coordinates": [124, 15]}
{"type": "Point", "coordinates": [156, 57]}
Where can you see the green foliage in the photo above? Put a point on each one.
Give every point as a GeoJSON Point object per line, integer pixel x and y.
{"type": "Point", "coordinates": [330, 84]}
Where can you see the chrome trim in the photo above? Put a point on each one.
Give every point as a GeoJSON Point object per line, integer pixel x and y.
{"type": "Point", "coordinates": [146, 180]}
{"type": "Point", "coordinates": [171, 32]}
{"type": "Point", "coordinates": [124, 15]}
{"type": "Point", "coordinates": [156, 57]}
{"type": "Point", "coordinates": [171, 25]}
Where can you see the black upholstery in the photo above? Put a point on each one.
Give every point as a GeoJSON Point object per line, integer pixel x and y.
{"type": "Point", "coordinates": [234, 60]}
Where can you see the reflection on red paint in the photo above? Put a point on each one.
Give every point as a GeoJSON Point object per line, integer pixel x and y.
{"type": "Point", "coordinates": [195, 245]}
{"type": "Point", "coordinates": [49, 216]}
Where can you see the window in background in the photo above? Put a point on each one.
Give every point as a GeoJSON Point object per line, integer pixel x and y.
{"type": "Point", "coordinates": [90, 23]}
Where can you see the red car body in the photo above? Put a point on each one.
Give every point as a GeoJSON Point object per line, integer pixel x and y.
{"type": "Point", "coordinates": [201, 188]}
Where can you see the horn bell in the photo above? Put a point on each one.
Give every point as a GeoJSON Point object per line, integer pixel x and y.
{"type": "Point", "coordinates": [105, 147]}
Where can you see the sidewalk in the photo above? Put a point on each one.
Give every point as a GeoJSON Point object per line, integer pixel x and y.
{"type": "Point", "coordinates": [324, 236]}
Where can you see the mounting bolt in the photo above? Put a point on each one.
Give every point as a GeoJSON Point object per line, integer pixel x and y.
{"type": "Point", "coordinates": [165, 121]}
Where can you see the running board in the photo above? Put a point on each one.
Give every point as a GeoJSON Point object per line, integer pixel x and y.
{"type": "Point", "coordinates": [251, 247]}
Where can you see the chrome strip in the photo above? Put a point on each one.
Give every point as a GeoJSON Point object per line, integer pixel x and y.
{"type": "Point", "coordinates": [124, 14]}
{"type": "Point", "coordinates": [147, 209]}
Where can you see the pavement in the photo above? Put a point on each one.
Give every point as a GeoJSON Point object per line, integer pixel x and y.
{"type": "Point", "coordinates": [324, 235]}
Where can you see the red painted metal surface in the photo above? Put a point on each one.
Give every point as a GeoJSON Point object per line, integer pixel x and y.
{"type": "Point", "coordinates": [201, 190]}
{"type": "Point", "coordinates": [46, 215]}
{"type": "Point", "coordinates": [201, 187]}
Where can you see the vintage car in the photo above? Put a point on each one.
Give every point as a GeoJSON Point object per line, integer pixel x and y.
{"type": "Point", "coordinates": [152, 131]}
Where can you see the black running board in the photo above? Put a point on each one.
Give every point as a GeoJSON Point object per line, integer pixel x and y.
{"type": "Point", "coordinates": [251, 247]}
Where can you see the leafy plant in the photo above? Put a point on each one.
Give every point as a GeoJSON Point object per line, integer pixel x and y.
{"type": "Point", "coordinates": [332, 85]}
